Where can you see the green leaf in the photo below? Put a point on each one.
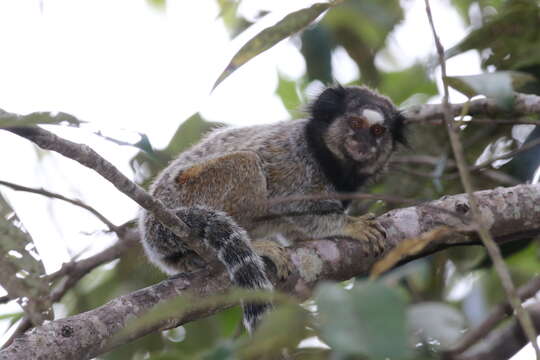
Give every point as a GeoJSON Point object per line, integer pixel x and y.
{"type": "Point", "coordinates": [400, 85]}
{"type": "Point", "coordinates": [511, 36]}
{"type": "Point", "coordinates": [317, 45]}
{"type": "Point", "coordinates": [288, 93]}
{"type": "Point", "coordinates": [223, 351]}
{"type": "Point", "coordinates": [188, 133]}
{"type": "Point", "coordinates": [15, 315]}
{"type": "Point", "coordinates": [269, 339]}
{"type": "Point", "coordinates": [234, 22]}
{"type": "Point", "coordinates": [160, 5]}
{"type": "Point", "coordinates": [9, 119]}
{"type": "Point", "coordinates": [270, 36]}
{"type": "Point", "coordinates": [497, 85]}
{"type": "Point", "coordinates": [370, 20]}
{"type": "Point", "coordinates": [367, 320]}
{"type": "Point", "coordinates": [21, 272]}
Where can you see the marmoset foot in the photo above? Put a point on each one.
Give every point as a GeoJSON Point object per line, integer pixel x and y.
{"type": "Point", "coordinates": [276, 254]}
{"type": "Point", "coordinates": [366, 228]}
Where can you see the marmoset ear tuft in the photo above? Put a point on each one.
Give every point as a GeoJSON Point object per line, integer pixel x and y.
{"type": "Point", "coordinates": [329, 104]}
{"type": "Point", "coordinates": [399, 128]}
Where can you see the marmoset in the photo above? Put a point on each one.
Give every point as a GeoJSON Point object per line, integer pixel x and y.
{"type": "Point", "coordinates": [223, 187]}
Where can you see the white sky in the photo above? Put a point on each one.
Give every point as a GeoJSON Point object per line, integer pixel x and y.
{"type": "Point", "coordinates": [122, 65]}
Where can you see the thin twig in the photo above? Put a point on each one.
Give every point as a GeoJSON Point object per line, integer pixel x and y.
{"type": "Point", "coordinates": [488, 121]}
{"type": "Point", "coordinates": [517, 121]}
{"type": "Point", "coordinates": [491, 247]}
{"type": "Point", "coordinates": [526, 147]}
{"type": "Point", "coordinates": [524, 104]}
{"type": "Point", "coordinates": [88, 157]}
{"type": "Point", "coordinates": [502, 343]}
{"type": "Point", "coordinates": [434, 160]}
{"type": "Point", "coordinates": [497, 315]}
{"type": "Point", "coordinates": [50, 194]}
{"type": "Point", "coordinates": [74, 271]}
{"type": "Point", "coordinates": [492, 174]}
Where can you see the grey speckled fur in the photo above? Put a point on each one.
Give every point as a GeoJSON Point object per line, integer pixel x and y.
{"type": "Point", "coordinates": [222, 186]}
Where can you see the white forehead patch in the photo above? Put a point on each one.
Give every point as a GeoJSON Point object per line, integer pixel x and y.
{"type": "Point", "coordinates": [373, 117]}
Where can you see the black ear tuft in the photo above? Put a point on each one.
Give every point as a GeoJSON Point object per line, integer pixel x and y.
{"type": "Point", "coordinates": [399, 128]}
{"type": "Point", "coordinates": [329, 104]}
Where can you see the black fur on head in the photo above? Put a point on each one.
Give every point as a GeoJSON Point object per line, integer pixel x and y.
{"type": "Point", "coordinates": [399, 129]}
{"type": "Point", "coordinates": [340, 136]}
{"type": "Point", "coordinates": [337, 100]}
{"type": "Point", "coordinates": [329, 104]}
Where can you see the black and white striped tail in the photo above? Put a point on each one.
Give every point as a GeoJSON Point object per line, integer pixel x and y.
{"type": "Point", "coordinates": [231, 243]}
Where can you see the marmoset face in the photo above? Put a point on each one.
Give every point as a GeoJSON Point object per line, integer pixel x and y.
{"type": "Point", "coordinates": [362, 126]}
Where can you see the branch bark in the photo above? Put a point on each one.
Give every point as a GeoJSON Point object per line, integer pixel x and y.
{"type": "Point", "coordinates": [510, 213]}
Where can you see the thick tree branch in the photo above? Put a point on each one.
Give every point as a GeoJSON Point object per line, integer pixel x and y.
{"type": "Point", "coordinates": [73, 271]}
{"type": "Point", "coordinates": [509, 213]}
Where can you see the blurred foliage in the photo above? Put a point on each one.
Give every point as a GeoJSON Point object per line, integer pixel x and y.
{"type": "Point", "coordinates": [148, 163]}
{"type": "Point", "coordinates": [362, 320]}
{"type": "Point", "coordinates": [21, 269]}
{"type": "Point", "coordinates": [416, 310]}
{"type": "Point", "coordinates": [496, 85]}
{"type": "Point", "coordinates": [37, 118]}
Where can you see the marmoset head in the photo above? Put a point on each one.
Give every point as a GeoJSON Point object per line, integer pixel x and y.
{"type": "Point", "coordinates": [358, 126]}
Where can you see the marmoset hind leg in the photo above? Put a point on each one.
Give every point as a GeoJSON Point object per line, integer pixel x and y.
{"type": "Point", "coordinates": [219, 197]}
{"type": "Point", "coordinates": [235, 184]}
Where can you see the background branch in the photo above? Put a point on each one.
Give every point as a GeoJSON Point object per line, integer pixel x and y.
{"type": "Point", "coordinates": [503, 343]}
{"type": "Point", "coordinates": [50, 194]}
{"type": "Point", "coordinates": [465, 176]}
{"type": "Point", "coordinates": [525, 104]}
{"type": "Point", "coordinates": [496, 316]}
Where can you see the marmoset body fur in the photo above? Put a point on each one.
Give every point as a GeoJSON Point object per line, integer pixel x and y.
{"type": "Point", "coordinates": [223, 187]}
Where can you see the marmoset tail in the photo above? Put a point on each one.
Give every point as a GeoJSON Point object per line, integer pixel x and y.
{"type": "Point", "coordinates": [223, 188]}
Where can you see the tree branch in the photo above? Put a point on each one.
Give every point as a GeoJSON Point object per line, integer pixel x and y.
{"type": "Point", "coordinates": [510, 213]}
{"type": "Point", "coordinates": [525, 104]}
{"type": "Point", "coordinates": [75, 271]}
{"type": "Point", "coordinates": [75, 202]}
